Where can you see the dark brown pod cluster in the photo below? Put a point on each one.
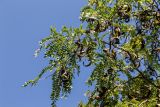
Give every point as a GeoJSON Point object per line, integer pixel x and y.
{"type": "Point", "coordinates": [111, 54]}
{"type": "Point", "coordinates": [79, 52]}
{"type": "Point", "coordinates": [64, 76]}
{"type": "Point", "coordinates": [97, 25]}
{"type": "Point", "coordinates": [124, 12]}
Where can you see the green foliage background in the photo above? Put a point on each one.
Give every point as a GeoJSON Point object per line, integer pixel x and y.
{"type": "Point", "coordinates": [120, 39]}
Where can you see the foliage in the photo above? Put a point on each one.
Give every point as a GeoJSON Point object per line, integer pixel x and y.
{"type": "Point", "coordinates": [121, 42]}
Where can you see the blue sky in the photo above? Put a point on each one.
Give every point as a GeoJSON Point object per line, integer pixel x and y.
{"type": "Point", "coordinates": [22, 24]}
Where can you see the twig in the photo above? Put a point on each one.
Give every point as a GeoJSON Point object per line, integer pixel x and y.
{"type": "Point", "coordinates": [142, 103]}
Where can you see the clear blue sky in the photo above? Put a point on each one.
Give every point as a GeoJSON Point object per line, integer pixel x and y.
{"type": "Point", "coordinates": [22, 24]}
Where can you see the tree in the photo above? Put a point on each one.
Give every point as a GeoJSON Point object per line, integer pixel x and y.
{"type": "Point", "coordinates": [120, 39]}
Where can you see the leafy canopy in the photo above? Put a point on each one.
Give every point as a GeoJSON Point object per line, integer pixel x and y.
{"type": "Point", "coordinates": [120, 40]}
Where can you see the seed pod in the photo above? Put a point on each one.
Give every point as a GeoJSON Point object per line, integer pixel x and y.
{"type": "Point", "coordinates": [142, 43]}
{"type": "Point", "coordinates": [157, 50]}
{"type": "Point", "coordinates": [127, 18]}
{"type": "Point", "coordinates": [110, 70]}
{"type": "Point", "coordinates": [97, 97]}
{"type": "Point", "coordinates": [115, 40]}
{"type": "Point", "coordinates": [113, 54]}
{"type": "Point", "coordinates": [126, 8]}
{"type": "Point", "coordinates": [117, 31]}
{"type": "Point", "coordinates": [106, 50]}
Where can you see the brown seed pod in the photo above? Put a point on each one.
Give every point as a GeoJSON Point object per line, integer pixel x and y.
{"type": "Point", "coordinates": [115, 40]}
{"type": "Point", "coordinates": [158, 16]}
{"type": "Point", "coordinates": [64, 75]}
{"type": "Point", "coordinates": [110, 70]}
{"type": "Point", "coordinates": [142, 43]}
{"type": "Point", "coordinates": [157, 50]}
{"type": "Point", "coordinates": [113, 54]}
{"type": "Point", "coordinates": [126, 8]}
{"type": "Point", "coordinates": [126, 18]}
{"type": "Point", "coordinates": [106, 50]}
{"type": "Point", "coordinates": [117, 31]}
{"type": "Point", "coordinates": [97, 97]}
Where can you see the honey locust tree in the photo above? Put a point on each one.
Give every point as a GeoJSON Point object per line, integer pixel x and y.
{"type": "Point", "coordinates": [120, 40]}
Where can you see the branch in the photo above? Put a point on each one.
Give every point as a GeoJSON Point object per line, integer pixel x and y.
{"type": "Point", "coordinates": [142, 103]}
{"type": "Point", "coordinates": [131, 59]}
